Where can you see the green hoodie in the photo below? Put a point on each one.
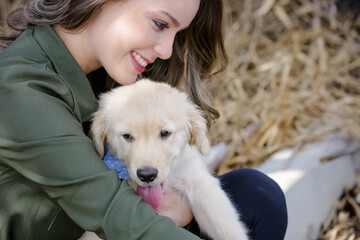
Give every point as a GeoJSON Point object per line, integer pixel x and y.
{"type": "Point", "coordinates": [52, 183]}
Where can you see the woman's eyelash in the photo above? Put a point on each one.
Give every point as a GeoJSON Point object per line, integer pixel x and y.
{"type": "Point", "coordinates": [161, 25]}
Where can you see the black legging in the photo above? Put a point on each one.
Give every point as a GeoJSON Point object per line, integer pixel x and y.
{"type": "Point", "coordinates": [260, 202]}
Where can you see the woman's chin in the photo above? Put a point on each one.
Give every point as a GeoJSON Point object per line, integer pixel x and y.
{"type": "Point", "coordinates": [122, 80]}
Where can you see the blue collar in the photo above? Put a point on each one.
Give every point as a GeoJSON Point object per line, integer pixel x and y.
{"type": "Point", "coordinates": [114, 163]}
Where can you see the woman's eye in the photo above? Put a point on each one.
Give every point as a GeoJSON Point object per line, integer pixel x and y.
{"type": "Point", "coordinates": [128, 137]}
{"type": "Point", "coordinates": [161, 25]}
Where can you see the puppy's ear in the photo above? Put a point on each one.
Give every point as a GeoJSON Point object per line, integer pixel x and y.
{"type": "Point", "coordinates": [98, 132]}
{"type": "Point", "coordinates": [198, 131]}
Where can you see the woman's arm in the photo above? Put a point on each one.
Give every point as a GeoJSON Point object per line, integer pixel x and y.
{"type": "Point", "coordinates": [176, 207]}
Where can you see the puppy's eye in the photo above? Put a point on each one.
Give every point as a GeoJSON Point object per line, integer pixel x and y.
{"type": "Point", "coordinates": [128, 137]}
{"type": "Point", "coordinates": [165, 134]}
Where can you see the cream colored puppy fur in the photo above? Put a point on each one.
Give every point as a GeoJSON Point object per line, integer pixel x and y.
{"type": "Point", "coordinates": [132, 121]}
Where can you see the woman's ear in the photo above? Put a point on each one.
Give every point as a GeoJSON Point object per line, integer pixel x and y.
{"type": "Point", "coordinates": [98, 132]}
{"type": "Point", "coordinates": [198, 130]}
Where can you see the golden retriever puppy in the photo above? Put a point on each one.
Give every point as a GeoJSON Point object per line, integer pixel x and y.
{"type": "Point", "coordinates": [153, 128]}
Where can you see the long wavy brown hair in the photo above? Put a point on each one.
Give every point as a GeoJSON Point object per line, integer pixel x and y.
{"type": "Point", "coordinates": [198, 51]}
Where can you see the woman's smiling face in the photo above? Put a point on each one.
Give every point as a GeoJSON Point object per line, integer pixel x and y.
{"type": "Point", "coordinates": [126, 35]}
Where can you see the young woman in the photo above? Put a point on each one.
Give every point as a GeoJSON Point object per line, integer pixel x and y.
{"type": "Point", "coordinates": [60, 56]}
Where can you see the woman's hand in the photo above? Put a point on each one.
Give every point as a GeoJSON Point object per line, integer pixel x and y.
{"type": "Point", "coordinates": [176, 207]}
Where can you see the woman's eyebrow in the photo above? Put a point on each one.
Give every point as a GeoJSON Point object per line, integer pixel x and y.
{"type": "Point", "coordinates": [175, 22]}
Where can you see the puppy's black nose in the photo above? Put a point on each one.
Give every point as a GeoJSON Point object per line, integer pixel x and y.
{"type": "Point", "coordinates": [147, 174]}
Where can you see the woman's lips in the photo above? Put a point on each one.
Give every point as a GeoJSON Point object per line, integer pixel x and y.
{"type": "Point", "coordinates": [139, 61]}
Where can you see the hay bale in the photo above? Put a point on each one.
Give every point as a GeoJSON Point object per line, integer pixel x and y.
{"type": "Point", "coordinates": [293, 78]}
{"type": "Point", "coordinates": [343, 221]}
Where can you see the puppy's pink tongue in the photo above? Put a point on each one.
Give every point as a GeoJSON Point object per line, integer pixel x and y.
{"type": "Point", "coordinates": [151, 195]}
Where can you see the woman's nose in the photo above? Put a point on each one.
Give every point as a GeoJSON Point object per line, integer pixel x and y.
{"type": "Point", "coordinates": [164, 47]}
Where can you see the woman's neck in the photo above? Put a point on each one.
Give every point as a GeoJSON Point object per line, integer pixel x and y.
{"type": "Point", "coordinates": [77, 41]}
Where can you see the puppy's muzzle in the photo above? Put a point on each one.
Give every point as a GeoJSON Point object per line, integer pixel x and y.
{"type": "Point", "coordinates": [147, 174]}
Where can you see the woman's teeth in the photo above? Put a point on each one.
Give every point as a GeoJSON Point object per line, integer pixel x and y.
{"type": "Point", "coordinates": [139, 59]}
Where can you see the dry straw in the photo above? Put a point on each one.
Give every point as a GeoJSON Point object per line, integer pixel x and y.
{"type": "Point", "coordinates": [293, 78]}
{"type": "Point", "coordinates": [343, 221]}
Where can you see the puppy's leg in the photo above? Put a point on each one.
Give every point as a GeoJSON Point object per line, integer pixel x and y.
{"type": "Point", "coordinates": [213, 210]}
